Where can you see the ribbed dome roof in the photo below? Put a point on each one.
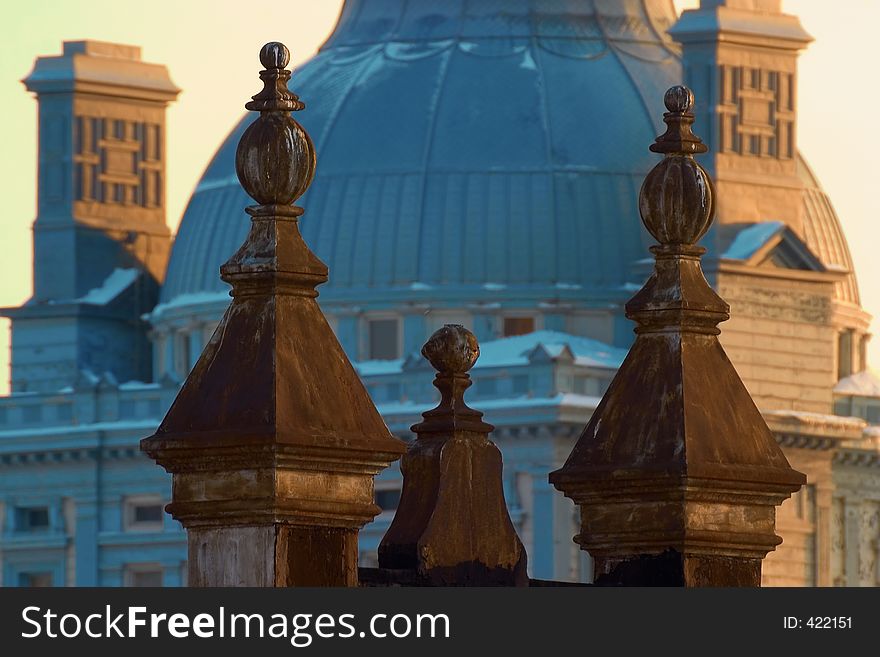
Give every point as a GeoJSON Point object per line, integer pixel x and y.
{"type": "Point", "coordinates": [474, 143]}
{"type": "Point", "coordinates": [464, 143]}
{"type": "Point", "coordinates": [824, 234]}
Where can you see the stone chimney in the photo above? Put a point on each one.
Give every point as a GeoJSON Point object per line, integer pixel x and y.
{"type": "Point", "coordinates": [740, 58]}
{"type": "Point", "coordinates": [101, 243]}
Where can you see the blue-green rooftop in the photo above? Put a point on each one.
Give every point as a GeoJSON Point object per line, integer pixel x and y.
{"type": "Point", "coordinates": [463, 144]}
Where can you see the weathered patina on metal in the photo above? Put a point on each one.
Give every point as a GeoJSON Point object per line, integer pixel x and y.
{"type": "Point", "coordinates": [677, 475]}
{"type": "Point", "coordinates": [452, 527]}
{"type": "Point", "coordinates": [273, 441]}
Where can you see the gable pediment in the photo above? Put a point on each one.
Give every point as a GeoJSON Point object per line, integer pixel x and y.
{"type": "Point", "coordinates": [772, 245]}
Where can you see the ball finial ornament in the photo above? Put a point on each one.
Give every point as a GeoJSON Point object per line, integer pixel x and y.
{"type": "Point", "coordinates": [677, 199]}
{"type": "Point", "coordinates": [275, 159]}
{"type": "Point", "coordinates": [274, 55]}
{"type": "Point", "coordinates": [452, 349]}
{"type": "Point", "coordinates": [679, 99]}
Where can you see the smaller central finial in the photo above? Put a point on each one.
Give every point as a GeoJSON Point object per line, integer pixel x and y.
{"type": "Point", "coordinates": [678, 138]}
{"type": "Point", "coordinates": [452, 350]}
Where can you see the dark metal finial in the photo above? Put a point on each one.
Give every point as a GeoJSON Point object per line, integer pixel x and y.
{"type": "Point", "coordinates": [678, 99]}
{"type": "Point", "coordinates": [452, 526]}
{"type": "Point", "coordinates": [677, 199]}
{"type": "Point", "coordinates": [678, 137]}
{"type": "Point", "coordinates": [452, 350]}
{"type": "Point", "coordinates": [274, 55]}
{"type": "Point", "coordinates": [275, 160]}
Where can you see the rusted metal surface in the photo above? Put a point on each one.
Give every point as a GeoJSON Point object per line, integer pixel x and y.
{"type": "Point", "coordinates": [273, 432]}
{"type": "Point", "coordinates": [677, 475]}
{"type": "Point", "coordinates": [452, 527]}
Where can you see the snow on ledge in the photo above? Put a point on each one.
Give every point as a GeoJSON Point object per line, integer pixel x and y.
{"type": "Point", "coordinates": [114, 285]}
{"type": "Point", "coordinates": [190, 299]}
{"type": "Point", "coordinates": [863, 384]}
{"type": "Point", "coordinates": [817, 419]}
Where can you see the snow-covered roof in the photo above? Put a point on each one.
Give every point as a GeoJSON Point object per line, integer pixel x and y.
{"type": "Point", "coordinates": [114, 285]}
{"type": "Point", "coordinates": [191, 299]}
{"type": "Point", "coordinates": [515, 350]}
{"type": "Point", "coordinates": [518, 350]}
{"type": "Point", "coordinates": [816, 419]}
{"type": "Point", "coordinates": [378, 367]}
{"type": "Point", "coordinates": [862, 384]}
{"type": "Point", "coordinates": [569, 400]}
{"type": "Point", "coordinates": [749, 240]}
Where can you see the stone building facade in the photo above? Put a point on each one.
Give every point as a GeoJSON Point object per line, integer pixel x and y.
{"type": "Point", "coordinates": [476, 194]}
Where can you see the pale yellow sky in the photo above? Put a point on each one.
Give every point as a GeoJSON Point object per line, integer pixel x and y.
{"type": "Point", "coordinates": [210, 47]}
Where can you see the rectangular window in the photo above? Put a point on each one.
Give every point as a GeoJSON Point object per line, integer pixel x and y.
{"type": "Point", "coordinates": [142, 575]}
{"type": "Point", "coordinates": [148, 513]}
{"type": "Point", "coordinates": [383, 339]}
{"type": "Point", "coordinates": [32, 413]}
{"type": "Point", "coordinates": [81, 191]}
{"type": "Point", "coordinates": [789, 146]}
{"type": "Point", "coordinates": [143, 514]}
{"type": "Point", "coordinates": [32, 519]}
{"type": "Point", "coordinates": [157, 190]}
{"type": "Point", "coordinates": [35, 580]}
{"type": "Point", "coordinates": [521, 384]}
{"type": "Point", "coordinates": [844, 354]}
{"type": "Point", "coordinates": [182, 354]}
{"type": "Point", "coordinates": [518, 326]}
{"type": "Point", "coordinates": [755, 145]}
